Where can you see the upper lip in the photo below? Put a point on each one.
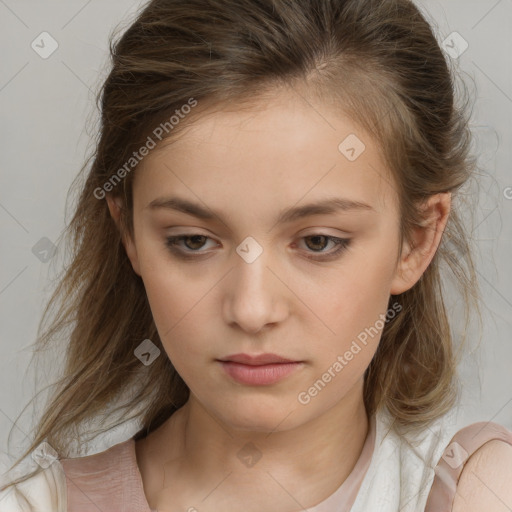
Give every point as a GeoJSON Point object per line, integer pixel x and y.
{"type": "Point", "coordinates": [256, 360]}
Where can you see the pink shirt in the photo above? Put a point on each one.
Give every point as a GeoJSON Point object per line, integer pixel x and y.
{"type": "Point", "coordinates": [111, 481]}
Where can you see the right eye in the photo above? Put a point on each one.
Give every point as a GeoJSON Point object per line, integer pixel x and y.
{"type": "Point", "coordinates": [193, 243]}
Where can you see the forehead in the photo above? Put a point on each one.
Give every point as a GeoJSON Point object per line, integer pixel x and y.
{"type": "Point", "coordinates": [277, 152]}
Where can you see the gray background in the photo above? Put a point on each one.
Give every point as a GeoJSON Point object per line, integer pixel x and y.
{"type": "Point", "coordinates": [47, 124]}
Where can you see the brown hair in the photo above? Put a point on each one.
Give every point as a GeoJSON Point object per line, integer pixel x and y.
{"type": "Point", "coordinates": [379, 62]}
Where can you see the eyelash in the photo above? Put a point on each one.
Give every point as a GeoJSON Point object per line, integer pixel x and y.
{"type": "Point", "coordinates": [342, 243]}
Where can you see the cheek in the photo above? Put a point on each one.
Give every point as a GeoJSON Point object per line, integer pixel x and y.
{"type": "Point", "coordinates": [180, 298]}
{"type": "Point", "coordinates": [176, 311]}
{"type": "Point", "coordinates": [174, 302]}
{"type": "Point", "coordinates": [172, 294]}
{"type": "Point", "coordinates": [353, 307]}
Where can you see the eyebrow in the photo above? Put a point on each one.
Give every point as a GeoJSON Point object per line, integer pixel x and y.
{"type": "Point", "coordinates": [325, 207]}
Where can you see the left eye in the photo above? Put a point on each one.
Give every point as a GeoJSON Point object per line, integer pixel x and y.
{"type": "Point", "coordinates": [194, 242]}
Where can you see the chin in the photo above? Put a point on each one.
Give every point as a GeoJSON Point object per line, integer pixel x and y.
{"type": "Point", "coordinates": [258, 414]}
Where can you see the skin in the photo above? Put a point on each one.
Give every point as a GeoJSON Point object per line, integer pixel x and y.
{"type": "Point", "coordinates": [247, 165]}
{"type": "Point", "coordinates": [485, 481]}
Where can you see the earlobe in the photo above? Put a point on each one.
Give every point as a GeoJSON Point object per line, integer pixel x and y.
{"type": "Point", "coordinates": [115, 208]}
{"type": "Point", "coordinates": [402, 279]}
{"type": "Point", "coordinates": [417, 254]}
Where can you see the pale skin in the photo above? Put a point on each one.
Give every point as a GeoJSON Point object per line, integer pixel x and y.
{"type": "Point", "coordinates": [247, 166]}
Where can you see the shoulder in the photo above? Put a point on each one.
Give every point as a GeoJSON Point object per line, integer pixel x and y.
{"type": "Point", "coordinates": [485, 480]}
{"type": "Point", "coordinates": [105, 480]}
{"type": "Point", "coordinates": [43, 491]}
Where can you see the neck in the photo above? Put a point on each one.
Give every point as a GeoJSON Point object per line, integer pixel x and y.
{"type": "Point", "coordinates": [309, 461]}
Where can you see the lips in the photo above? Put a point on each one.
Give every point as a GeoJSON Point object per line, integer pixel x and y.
{"type": "Point", "coordinates": [257, 360]}
{"type": "Point", "coordinates": [258, 370]}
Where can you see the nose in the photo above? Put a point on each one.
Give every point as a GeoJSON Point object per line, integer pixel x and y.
{"type": "Point", "coordinates": [255, 295]}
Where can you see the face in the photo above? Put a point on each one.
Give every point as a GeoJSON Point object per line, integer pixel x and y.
{"type": "Point", "coordinates": [252, 277]}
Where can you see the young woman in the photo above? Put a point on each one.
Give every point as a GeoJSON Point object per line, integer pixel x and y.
{"type": "Point", "coordinates": [257, 272]}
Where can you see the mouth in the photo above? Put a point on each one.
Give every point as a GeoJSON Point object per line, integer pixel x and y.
{"type": "Point", "coordinates": [257, 360]}
{"type": "Point", "coordinates": [258, 370]}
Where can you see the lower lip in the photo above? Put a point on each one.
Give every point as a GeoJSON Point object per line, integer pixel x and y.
{"type": "Point", "coordinates": [258, 375]}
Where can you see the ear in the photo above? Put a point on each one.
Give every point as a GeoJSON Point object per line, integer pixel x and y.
{"type": "Point", "coordinates": [417, 255]}
{"type": "Point", "coordinates": [115, 206]}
